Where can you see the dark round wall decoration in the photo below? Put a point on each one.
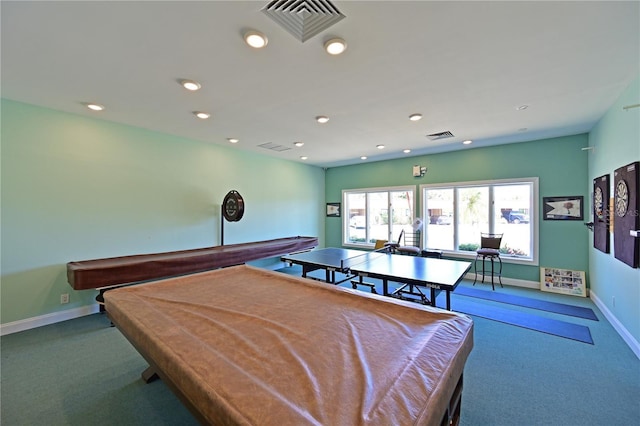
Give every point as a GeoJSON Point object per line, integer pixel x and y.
{"type": "Point", "coordinates": [233, 206]}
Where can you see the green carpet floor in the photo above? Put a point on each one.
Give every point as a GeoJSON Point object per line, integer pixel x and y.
{"type": "Point", "coordinates": [84, 372]}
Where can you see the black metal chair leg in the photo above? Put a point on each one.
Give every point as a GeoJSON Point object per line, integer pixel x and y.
{"type": "Point", "coordinates": [475, 270]}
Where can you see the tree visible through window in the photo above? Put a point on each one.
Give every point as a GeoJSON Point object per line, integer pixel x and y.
{"type": "Point", "coordinates": [376, 214]}
{"type": "Point", "coordinates": [456, 214]}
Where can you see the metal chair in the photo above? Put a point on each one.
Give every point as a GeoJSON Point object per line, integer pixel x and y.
{"type": "Point", "coordinates": [489, 250]}
{"type": "Point", "coordinates": [392, 246]}
{"type": "Point", "coordinates": [411, 244]}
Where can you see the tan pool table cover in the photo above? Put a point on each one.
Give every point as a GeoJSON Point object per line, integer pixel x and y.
{"type": "Point", "coordinates": [247, 346]}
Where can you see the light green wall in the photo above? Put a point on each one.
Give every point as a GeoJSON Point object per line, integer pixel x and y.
{"type": "Point", "coordinates": [616, 143]}
{"type": "Point", "coordinates": [559, 163]}
{"type": "Point", "coordinates": [77, 188]}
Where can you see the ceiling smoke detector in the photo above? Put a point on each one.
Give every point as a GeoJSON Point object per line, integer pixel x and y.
{"type": "Point", "coordinates": [303, 18]}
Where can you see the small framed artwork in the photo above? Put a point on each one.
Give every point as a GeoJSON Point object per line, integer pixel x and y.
{"type": "Point", "coordinates": [564, 281]}
{"type": "Point", "coordinates": [563, 208]}
{"type": "Point", "coordinates": [333, 209]}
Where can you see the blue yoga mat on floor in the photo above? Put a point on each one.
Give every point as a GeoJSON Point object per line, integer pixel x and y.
{"type": "Point", "coordinates": [522, 319]}
{"type": "Point", "coordinates": [467, 306]}
{"type": "Point", "coordinates": [527, 302]}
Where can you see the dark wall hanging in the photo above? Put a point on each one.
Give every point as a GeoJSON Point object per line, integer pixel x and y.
{"type": "Point", "coordinates": [625, 209]}
{"type": "Point", "coordinates": [232, 210]}
{"type": "Point", "coordinates": [601, 212]}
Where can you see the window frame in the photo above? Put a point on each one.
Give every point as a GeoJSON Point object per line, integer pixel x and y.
{"type": "Point", "coordinates": [366, 191]}
{"type": "Point", "coordinates": [533, 217]}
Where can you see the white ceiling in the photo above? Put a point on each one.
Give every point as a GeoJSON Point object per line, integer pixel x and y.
{"type": "Point", "coordinates": [466, 66]}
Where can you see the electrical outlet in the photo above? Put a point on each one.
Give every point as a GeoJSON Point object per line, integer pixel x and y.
{"type": "Point", "coordinates": [64, 298]}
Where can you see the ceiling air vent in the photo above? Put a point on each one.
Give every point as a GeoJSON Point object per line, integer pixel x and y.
{"type": "Point", "coordinates": [441, 135]}
{"type": "Point", "coordinates": [303, 18]}
{"type": "Point", "coordinates": [274, 147]}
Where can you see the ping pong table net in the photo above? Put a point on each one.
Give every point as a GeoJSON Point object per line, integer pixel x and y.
{"type": "Point", "coordinates": [350, 262]}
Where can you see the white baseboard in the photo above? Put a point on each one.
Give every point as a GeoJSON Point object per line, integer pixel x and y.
{"type": "Point", "coordinates": [39, 321]}
{"type": "Point", "coordinates": [633, 344]}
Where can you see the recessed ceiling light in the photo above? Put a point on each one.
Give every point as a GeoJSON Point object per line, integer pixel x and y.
{"type": "Point", "coordinates": [415, 117]}
{"type": "Point", "coordinates": [233, 140]}
{"type": "Point", "coordinates": [467, 142]}
{"type": "Point", "coordinates": [255, 39]}
{"type": "Point", "coordinates": [190, 85]}
{"type": "Point", "coordinates": [298, 144]}
{"type": "Point", "coordinates": [335, 46]}
{"type": "Point", "coordinates": [406, 151]}
{"type": "Point", "coordinates": [380, 146]}
{"type": "Point", "coordinates": [202, 115]}
{"type": "Point", "coordinates": [304, 157]}
{"type": "Point", "coordinates": [95, 107]}
{"type": "Point", "coordinates": [522, 107]}
{"type": "Point", "coordinates": [364, 157]}
{"type": "Point", "coordinates": [322, 119]}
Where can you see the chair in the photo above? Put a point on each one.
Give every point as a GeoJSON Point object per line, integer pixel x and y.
{"type": "Point", "coordinates": [435, 254]}
{"type": "Point", "coordinates": [380, 244]}
{"type": "Point", "coordinates": [489, 250]}
{"type": "Point", "coordinates": [411, 244]}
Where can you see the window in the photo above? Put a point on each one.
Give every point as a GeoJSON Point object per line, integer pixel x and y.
{"type": "Point", "coordinates": [376, 214]}
{"type": "Point", "coordinates": [455, 214]}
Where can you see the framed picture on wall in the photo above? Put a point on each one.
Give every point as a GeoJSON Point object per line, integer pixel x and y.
{"type": "Point", "coordinates": [563, 208]}
{"type": "Point", "coordinates": [333, 209]}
